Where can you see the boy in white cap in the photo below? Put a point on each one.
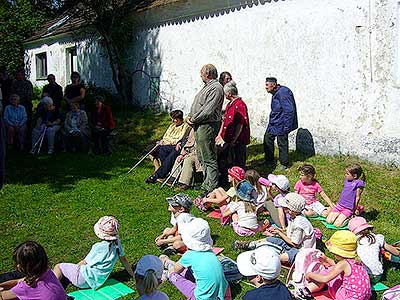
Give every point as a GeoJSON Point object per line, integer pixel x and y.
{"type": "Point", "coordinates": [299, 233]}
{"type": "Point", "coordinates": [148, 275]}
{"type": "Point", "coordinates": [206, 280]}
{"type": "Point", "coordinates": [262, 267]}
{"type": "Point", "coordinates": [179, 206]}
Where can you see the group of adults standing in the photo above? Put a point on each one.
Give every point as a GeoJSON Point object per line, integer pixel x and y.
{"type": "Point", "coordinates": [223, 145]}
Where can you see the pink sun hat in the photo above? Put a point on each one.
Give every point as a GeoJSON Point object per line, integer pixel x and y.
{"type": "Point", "coordinates": [106, 228]}
{"type": "Point", "coordinates": [358, 224]}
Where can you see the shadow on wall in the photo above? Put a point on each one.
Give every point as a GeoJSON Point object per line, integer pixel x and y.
{"type": "Point", "coordinates": [146, 71]}
{"type": "Point", "coordinates": [305, 143]}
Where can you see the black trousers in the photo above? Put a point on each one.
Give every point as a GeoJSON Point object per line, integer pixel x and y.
{"type": "Point", "coordinates": [230, 156]}
{"type": "Point", "coordinates": [100, 136]}
{"type": "Point", "coordinates": [269, 147]}
{"type": "Point", "coordinates": [167, 155]}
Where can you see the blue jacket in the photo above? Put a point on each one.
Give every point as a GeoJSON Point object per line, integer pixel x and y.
{"type": "Point", "coordinates": [283, 116]}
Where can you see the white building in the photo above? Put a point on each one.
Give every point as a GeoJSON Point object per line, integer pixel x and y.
{"type": "Point", "coordinates": [340, 58]}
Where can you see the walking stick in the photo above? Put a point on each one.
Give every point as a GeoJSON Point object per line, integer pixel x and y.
{"type": "Point", "coordinates": [41, 142]}
{"type": "Point", "coordinates": [171, 174]}
{"type": "Point", "coordinates": [142, 159]}
{"type": "Point", "coordinates": [176, 178]}
{"type": "Point", "coordinates": [35, 146]}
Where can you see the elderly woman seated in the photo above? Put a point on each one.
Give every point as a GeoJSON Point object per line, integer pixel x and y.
{"type": "Point", "coordinates": [76, 129]}
{"type": "Point", "coordinates": [169, 146]}
{"type": "Point", "coordinates": [102, 125]}
{"type": "Point", "coordinates": [15, 120]}
{"type": "Point", "coordinates": [47, 125]}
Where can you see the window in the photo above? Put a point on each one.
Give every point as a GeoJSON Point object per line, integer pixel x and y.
{"type": "Point", "coordinates": [72, 62]}
{"type": "Point", "coordinates": [41, 66]}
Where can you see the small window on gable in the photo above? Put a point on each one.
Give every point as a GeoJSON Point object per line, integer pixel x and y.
{"type": "Point", "coordinates": [41, 66]}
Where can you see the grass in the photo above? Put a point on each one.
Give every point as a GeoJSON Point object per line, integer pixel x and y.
{"type": "Point", "coordinates": [56, 200]}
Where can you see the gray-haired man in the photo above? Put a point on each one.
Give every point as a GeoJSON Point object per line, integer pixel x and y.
{"type": "Point", "coordinates": [205, 116]}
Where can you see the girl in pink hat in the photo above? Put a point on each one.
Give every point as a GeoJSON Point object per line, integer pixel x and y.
{"type": "Point", "coordinates": [369, 246]}
{"type": "Point", "coordinates": [96, 267]}
{"type": "Point", "coordinates": [219, 196]}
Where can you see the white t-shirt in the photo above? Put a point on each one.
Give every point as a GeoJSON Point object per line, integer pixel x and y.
{"type": "Point", "coordinates": [301, 232]}
{"type": "Point", "coordinates": [181, 218]}
{"type": "Point", "coordinates": [261, 196]}
{"type": "Point", "coordinates": [370, 254]}
{"type": "Point", "coordinates": [246, 219]}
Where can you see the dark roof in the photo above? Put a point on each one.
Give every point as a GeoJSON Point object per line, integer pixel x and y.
{"type": "Point", "coordinates": [70, 20]}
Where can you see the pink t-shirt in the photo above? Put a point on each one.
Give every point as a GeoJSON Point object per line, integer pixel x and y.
{"type": "Point", "coordinates": [308, 191]}
{"type": "Point", "coordinates": [47, 287]}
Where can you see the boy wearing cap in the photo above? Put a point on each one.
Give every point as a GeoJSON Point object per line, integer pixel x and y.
{"type": "Point", "coordinates": [179, 206]}
{"type": "Point", "coordinates": [299, 233]}
{"type": "Point", "coordinates": [262, 267]}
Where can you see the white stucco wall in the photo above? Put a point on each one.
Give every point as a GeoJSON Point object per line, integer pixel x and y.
{"type": "Point", "coordinates": [346, 98]}
{"type": "Point", "coordinates": [92, 63]}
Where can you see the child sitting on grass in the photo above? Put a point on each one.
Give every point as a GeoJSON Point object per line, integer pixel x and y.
{"type": "Point", "coordinates": [219, 196]}
{"type": "Point", "coordinates": [299, 233]}
{"type": "Point", "coordinates": [347, 206]}
{"type": "Point", "coordinates": [262, 267]}
{"type": "Point", "coordinates": [38, 282]}
{"type": "Point", "coordinates": [280, 184]}
{"type": "Point", "coordinates": [94, 270]}
{"type": "Point", "coordinates": [242, 209]}
{"type": "Point", "coordinates": [198, 274]}
{"type": "Point", "coordinates": [309, 187]}
{"type": "Point", "coordinates": [347, 279]}
{"type": "Point", "coordinates": [369, 246]}
{"type": "Point", "coordinates": [148, 275]}
{"type": "Point", "coordinates": [179, 206]}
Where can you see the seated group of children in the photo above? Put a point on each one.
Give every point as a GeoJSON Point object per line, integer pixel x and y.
{"type": "Point", "coordinates": [198, 274]}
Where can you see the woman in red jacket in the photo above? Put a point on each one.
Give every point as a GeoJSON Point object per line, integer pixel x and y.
{"type": "Point", "coordinates": [103, 124]}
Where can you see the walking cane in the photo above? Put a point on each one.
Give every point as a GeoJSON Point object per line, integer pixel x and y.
{"type": "Point", "coordinates": [171, 174]}
{"type": "Point", "coordinates": [176, 178]}
{"type": "Point", "coordinates": [35, 146]}
{"type": "Point", "coordinates": [142, 159]}
{"type": "Point", "coordinates": [41, 142]}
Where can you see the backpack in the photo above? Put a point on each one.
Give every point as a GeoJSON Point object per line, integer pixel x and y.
{"type": "Point", "coordinates": [307, 260]}
{"type": "Point", "coordinates": [392, 293]}
{"type": "Point", "coordinates": [389, 256]}
{"type": "Point", "coordinates": [231, 271]}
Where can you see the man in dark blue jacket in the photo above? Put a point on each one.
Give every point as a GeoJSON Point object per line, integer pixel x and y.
{"type": "Point", "coordinates": [282, 120]}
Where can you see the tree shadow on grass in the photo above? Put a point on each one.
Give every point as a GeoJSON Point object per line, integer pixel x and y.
{"type": "Point", "coordinates": [62, 171]}
{"type": "Point", "coordinates": [371, 215]}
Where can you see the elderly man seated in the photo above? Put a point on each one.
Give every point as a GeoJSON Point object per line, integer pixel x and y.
{"type": "Point", "coordinates": [47, 125]}
{"type": "Point", "coordinates": [170, 145]}
{"type": "Point", "coordinates": [15, 120]}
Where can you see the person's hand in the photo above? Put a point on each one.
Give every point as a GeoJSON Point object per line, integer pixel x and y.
{"type": "Point", "coordinates": [189, 121]}
{"type": "Point", "coordinates": [309, 276]}
{"type": "Point", "coordinates": [159, 242]}
{"type": "Point", "coordinates": [82, 262]}
{"type": "Point", "coordinates": [274, 230]}
{"type": "Point", "coordinates": [178, 147]}
{"type": "Point", "coordinates": [179, 158]}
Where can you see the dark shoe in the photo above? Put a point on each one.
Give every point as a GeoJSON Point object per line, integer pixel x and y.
{"type": "Point", "coordinates": [151, 179]}
{"type": "Point", "coordinates": [169, 251]}
{"type": "Point", "coordinates": [241, 245]}
{"type": "Point", "coordinates": [182, 187]}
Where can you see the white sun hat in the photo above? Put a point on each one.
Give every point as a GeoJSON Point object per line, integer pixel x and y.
{"type": "Point", "coordinates": [196, 235]}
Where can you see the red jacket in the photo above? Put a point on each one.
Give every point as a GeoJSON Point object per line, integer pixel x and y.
{"type": "Point", "coordinates": [103, 118]}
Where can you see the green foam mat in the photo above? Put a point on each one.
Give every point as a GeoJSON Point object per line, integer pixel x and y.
{"type": "Point", "coordinates": [379, 287]}
{"type": "Point", "coordinates": [111, 290]}
{"type": "Point", "coordinates": [320, 218]}
{"type": "Point", "coordinates": [331, 226]}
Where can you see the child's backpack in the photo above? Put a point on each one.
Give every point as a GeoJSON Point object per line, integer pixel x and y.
{"type": "Point", "coordinates": [230, 268]}
{"type": "Point", "coordinates": [392, 293]}
{"type": "Point", "coordinates": [307, 260]}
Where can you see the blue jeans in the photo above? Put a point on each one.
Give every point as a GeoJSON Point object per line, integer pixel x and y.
{"type": "Point", "coordinates": [291, 251]}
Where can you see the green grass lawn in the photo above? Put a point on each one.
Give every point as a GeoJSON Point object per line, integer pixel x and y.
{"type": "Point", "coordinates": [57, 200]}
